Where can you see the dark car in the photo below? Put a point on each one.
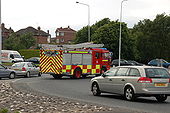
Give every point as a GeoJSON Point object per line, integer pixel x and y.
{"type": "Point", "coordinates": [122, 62]}
{"type": "Point", "coordinates": [35, 60]}
{"type": "Point", "coordinates": [135, 63]}
{"type": "Point", "coordinates": [6, 73]}
{"type": "Point", "coordinates": [159, 62]}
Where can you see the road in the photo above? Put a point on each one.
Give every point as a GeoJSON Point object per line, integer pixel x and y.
{"type": "Point", "coordinates": [80, 89]}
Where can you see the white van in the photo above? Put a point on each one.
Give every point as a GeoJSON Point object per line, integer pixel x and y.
{"type": "Point", "coordinates": [11, 56]}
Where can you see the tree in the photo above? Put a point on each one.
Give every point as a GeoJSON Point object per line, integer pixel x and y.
{"type": "Point", "coordinates": [82, 34]}
{"type": "Point", "coordinates": [153, 38]}
{"type": "Point", "coordinates": [109, 36]}
{"type": "Point", "coordinates": [15, 42]}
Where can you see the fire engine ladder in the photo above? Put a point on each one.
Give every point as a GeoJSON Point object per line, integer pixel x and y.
{"type": "Point", "coordinates": [75, 46]}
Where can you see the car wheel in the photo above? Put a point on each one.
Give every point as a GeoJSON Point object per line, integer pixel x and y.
{"type": "Point", "coordinates": [12, 76]}
{"type": "Point", "coordinates": [95, 89]}
{"type": "Point", "coordinates": [129, 94]}
{"type": "Point", "coordinates": [161, 98]}
{"type": "Point", "coordinates": [27, 75]}
{"type": "Point", "coordinates": [39, 74]}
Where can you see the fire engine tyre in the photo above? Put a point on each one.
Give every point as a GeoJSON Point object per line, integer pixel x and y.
{"type": "Point", "coordinates": [57, 76]}
{"type": "Point", "coordinates": [77, 73]}
{"type": "Point", "coordinates": [27, 75]}
{"type": "Point", "coordinates": [39, 74]}
{"type": "Point", "coordinates": [161, 98]}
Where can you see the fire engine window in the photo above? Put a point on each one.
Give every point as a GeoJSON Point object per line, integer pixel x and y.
{"type": "Point", "coordinates": [66, 58]}
{"type": "Point", "coordinates": [76, 58]}
{"type": "Point", "coordinates": [87, 59]}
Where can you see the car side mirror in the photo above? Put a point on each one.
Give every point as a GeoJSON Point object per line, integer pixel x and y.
{"type": "Point", "coordinates": [104, 75]}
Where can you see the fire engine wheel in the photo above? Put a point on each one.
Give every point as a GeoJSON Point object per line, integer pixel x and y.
{"type": "Point", "coordinates": [57, 76]}
{"type": "Point", "coordinates": [77, 73]}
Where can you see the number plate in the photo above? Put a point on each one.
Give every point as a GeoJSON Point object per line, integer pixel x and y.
{"type": "Point", "coordinates": [161, 85]}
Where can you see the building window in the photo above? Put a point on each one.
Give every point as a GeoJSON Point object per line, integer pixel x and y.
{"type": "Point", "coordinates": [62, 34]}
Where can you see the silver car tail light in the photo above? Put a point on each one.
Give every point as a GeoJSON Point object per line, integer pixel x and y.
{"type": "Point", "coordinates": [144, 80]}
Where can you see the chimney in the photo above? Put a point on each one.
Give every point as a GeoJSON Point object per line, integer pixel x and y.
{"type": "Point", "coordinates": [68, 27]}
{"type": "Point", "coordinates": [48, 31]}
{"type": "Point", "coordinates": [2, 25]}
{"type": "Point", "coordinates": [39, 28]}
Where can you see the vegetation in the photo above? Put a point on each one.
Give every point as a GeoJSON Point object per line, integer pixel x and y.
{"type": "Point", "coordinates": [17, 42]}
{"type": "Point", "coordinates": [28, 53]}
{"type": "Point", "coordinates": [145, 41]}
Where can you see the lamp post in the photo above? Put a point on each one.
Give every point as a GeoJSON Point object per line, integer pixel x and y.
{"type": "Point", "coordinates": [120, 32]}
{"type": "Point", "coordinates": [0, 36]}
{"type": "Point", "coordinates": [88, 18]}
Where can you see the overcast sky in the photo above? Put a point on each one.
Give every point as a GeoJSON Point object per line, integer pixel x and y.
{"type": "Point", "coordinates": [52, 14]}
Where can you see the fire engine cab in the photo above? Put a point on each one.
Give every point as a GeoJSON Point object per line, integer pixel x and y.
{"type": "Point", "coordinates": [75, 62]}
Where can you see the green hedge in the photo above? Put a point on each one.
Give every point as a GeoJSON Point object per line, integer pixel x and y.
{"type": "Point", "coordinates": [28, 53]}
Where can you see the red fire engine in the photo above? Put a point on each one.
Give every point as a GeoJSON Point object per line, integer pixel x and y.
{"type": "Point", "coordinates": [75, 63]}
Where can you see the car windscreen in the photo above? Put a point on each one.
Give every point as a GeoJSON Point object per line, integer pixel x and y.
{"type": "Point", "coordinates": [157, 73]}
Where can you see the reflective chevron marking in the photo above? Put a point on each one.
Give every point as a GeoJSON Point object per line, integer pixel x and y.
{"type": "Point", "coordinates": [51, 63]}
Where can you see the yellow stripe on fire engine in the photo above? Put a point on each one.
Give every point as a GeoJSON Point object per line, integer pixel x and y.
{"type": "Point", "coordinates": [97, 66]}
{"type": "Point", "coordinates": [77, 52]}
{"type": "Point", "coordinates": [105, 60]}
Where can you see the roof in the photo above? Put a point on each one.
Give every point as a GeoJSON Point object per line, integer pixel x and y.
{"type": "Point", "coordinates": [32, 30]}
{"type": "Point", "coordinates": [68, 29]}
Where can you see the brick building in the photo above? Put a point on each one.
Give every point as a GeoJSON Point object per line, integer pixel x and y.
{"type": "Point", "coordinates": [65, 35]}
{"type": "Point", "coordinates": [5, 33]}
{"type": "Point", "coordinates": [41, 36]}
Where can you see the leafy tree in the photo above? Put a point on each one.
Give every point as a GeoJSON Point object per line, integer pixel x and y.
{"type": "Point", "coordinates": [15, 42]}
{"type": "Point", "coordinates": [153, 38]}
{"type": "Point", "coordinates": [82, 34]}
{"type": "Point", "coordinates": [109, 36]}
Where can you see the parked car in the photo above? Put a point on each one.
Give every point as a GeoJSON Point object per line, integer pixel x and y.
{"type": "Point", "coordinates": [35, 60]}
{"type": "Point", "coordinates": [26, 68]}
{"type": "Point", "coordinates": [6, 73]}
{"type": "Point", "coordinates": [135, 63]}
{"type": "Point", "coordinates": [122, 62]}
{"type": "Point", "coordinates": [133, 81]}
{"type": "Point", "coordinates": [159, 62]}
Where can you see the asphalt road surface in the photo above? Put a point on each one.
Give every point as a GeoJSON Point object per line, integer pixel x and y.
{"type": "Point", "coordinates": [80, 89]}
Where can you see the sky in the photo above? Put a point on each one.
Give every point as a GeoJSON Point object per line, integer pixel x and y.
{"type": "Point", "coordinates": [53, 14]}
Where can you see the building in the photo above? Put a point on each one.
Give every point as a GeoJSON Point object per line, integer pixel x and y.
{"type": "Point", "coordinates": [65, 35]}
{"type": "Point", "coordinates": [41, 36]}
{"type": "Point", "coordinates": [5, 33]}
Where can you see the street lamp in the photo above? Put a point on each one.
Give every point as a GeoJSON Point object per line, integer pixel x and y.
{"type": "Point", "coordinates": [120, 32]}
{"type": "Point", "coordinates": [0, 36]}
{"type": "Point", "coordinates": [88, 19]}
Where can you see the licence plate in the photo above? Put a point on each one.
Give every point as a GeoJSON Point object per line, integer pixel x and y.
{"type": "Point", "coordinates": [161, 85]}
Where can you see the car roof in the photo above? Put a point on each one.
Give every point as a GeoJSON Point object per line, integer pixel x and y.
{"type": "Point", "coordinates": [140, 67]}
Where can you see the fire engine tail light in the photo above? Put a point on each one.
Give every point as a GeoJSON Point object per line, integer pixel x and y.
{"type": "Point", "coordinates": [144, 80]}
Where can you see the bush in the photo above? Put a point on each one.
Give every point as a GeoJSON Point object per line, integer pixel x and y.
{"type": "Point", "coordinates": [28, 53]}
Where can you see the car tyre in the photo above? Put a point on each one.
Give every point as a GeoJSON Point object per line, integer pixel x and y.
{"type": "Point", "coordinates": [161, 98]}
{"type": "Point", "coordinates": [27, 75]}
{"type": "Point", "coordinates": [11, 75]}
{"type": "Point", "coordinates": [95, 89]}
{"type": "Point", "coordinates": [39, 74]}
{"type": "Point", "coordinates": [129, 94]}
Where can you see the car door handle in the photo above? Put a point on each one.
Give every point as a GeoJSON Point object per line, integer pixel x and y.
{"type": "Point", "coordinates": [123, 80]}
{"type": "Point", "coordinates": [110, 79]}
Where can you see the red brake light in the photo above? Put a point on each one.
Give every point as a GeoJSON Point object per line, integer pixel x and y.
{"type": "Point", "coordinates": [169, 80]}
{"type": "Point", "coordinates": [144, 80]}
{"type": "Point", "coordinates": [23, 69]}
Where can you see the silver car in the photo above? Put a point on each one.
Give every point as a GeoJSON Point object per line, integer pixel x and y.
{"type": "Point", "coordinates": [133, 81]}
{"type": "Point", "coordinates": [26, 68]}
{"type": "Point", "coordinates": [6, 73]}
